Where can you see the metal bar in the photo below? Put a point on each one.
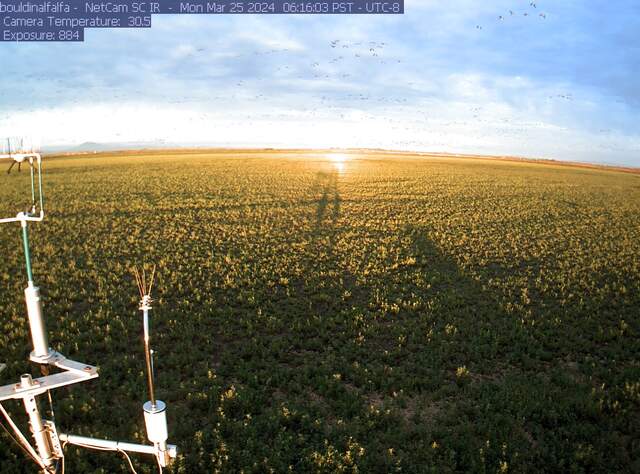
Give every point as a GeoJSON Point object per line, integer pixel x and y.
{"type": "Point", "coordinates": [38, 430]}
{"type": "Point", "coordinates": [42, 384]}
{"type": "Point", "coordinates": [22, 439]}
{"type": "Point", "coordinates": [62, 362]}
{"type": "Point", "coordinates": [14, 156]}
{"type": "Point", "coordinates": [22, 217]}
{"type": "Point", "coordinates": [83, 441]}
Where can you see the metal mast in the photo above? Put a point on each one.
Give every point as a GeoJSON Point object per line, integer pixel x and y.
{"type": "Point", "coordinates": [48, 450]}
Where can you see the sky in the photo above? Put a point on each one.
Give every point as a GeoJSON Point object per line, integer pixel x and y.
{"type": "Point", "coordinates": [460, 76]}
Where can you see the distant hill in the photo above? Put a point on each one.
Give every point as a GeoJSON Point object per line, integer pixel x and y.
{"type": "Point", "coordinates": [91, 147]}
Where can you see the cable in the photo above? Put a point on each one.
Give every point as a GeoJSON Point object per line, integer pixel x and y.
{"type": "Point", "coordinates": [128, 459]}
{"type": "Point", "coordinates": [62, 460]}
{"type": "Point", "coordinates": [45, 370]}
{"type": "Point", "coordinates": [97, 448]}
{"type": "Point", "coordinates": [17, 442]}
{"type": "Point", "coordinates": [51, 412]}
{"type": "Point", "coordinates": [159, 465]}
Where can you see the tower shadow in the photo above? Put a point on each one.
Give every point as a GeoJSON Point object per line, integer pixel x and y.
{"type": "Point", "coordinates": [327, 210]}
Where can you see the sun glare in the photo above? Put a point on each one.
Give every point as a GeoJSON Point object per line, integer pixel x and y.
{"type": "Point", "coordinates": [339, 160]}
{"type": "Point", "coordinates": [338, 157]}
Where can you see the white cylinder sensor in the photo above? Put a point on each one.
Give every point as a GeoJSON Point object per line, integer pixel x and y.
{"type": "Point", "coordinates": [155, 419]}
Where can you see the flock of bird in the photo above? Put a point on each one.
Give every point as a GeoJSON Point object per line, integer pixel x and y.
{"type": "Point", "coordinates": [530, 12]}
{"type": "Point", "coordinates": [287, 83]}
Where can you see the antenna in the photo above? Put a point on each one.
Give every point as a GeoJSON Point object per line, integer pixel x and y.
{"type": "Point", "coordinates": [155, 414]}
{"type": "Point", "coordinates": [145, 306]}
{"type": "Point", "coordinates": [48, 448]}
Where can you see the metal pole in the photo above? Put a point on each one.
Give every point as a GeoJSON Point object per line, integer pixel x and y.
{"type": "Point", "coordinates": [147, 351]}
{"type": "Point", "coordinates": [27, 254]}
{"type": "Point", "coordinates": [38, 429]}
{"type": "Point", "coordinates": [39, 159]}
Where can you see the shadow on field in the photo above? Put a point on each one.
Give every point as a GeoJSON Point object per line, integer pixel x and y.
{"type": "Point", "coordinates": [469, 326]}
{"type": "Point", "coordinates": [328, 207]}
{"type": "Point", "coordinates": [426, 323]}
{"type": "Point", "coordinates": [423, 319]}
{"type": "Point", "coordinates": [417, 321]}
{"type": "Point", "coordinates": [374, 332]}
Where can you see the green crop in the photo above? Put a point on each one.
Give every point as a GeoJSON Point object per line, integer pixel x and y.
{"type": "Point", "coordinates": [390, 313]}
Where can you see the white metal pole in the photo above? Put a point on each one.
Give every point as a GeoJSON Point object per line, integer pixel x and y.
{"type": "Point", "coordinates": [83, 441]}
{"type": "Point", "coordinates": [38, 429]}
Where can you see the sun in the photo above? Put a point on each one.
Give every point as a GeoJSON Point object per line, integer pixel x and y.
{"type": "Point", "coordinates": [339, 160]}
